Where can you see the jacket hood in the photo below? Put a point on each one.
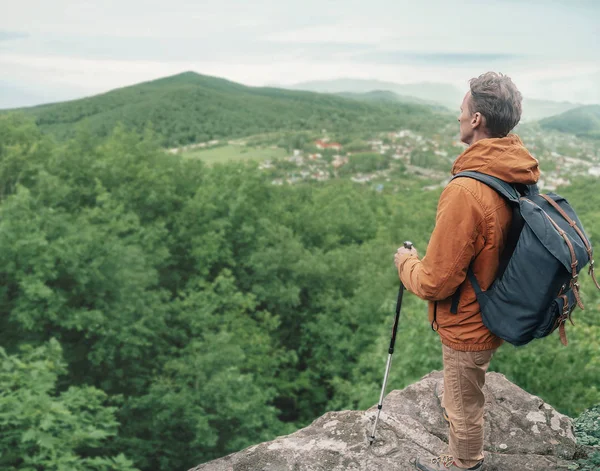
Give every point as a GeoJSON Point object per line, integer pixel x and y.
{"type": "Point", "coordinates": [505, 158]}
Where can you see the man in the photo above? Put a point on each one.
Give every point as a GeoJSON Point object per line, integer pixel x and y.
{"type": "Point", "coordinates": [471, 228]}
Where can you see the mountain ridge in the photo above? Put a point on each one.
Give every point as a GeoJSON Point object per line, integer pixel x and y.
{"type": "Point", "coordinates": [191, 107]}
{"type": "Point", "coordinates": [583, 121]}
{"type": "Point", "coordinates": [438, 93]}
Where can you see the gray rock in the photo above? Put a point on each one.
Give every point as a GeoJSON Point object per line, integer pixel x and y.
{"type": "Point", "coordinates": [522, 432]}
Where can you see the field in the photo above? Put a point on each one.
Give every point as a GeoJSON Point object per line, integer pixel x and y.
{"type": "Point", "coordinates": [234, 152]}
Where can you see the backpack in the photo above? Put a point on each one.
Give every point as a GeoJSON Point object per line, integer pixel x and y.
{"type": "Point", "coordinates": [536, 287]}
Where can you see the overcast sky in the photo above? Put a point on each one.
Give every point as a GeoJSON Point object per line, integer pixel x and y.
{"type": "Point", "coordinates": [60, 49]}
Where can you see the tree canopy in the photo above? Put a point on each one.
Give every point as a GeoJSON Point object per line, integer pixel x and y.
{"type": "Point", "coordinates": [157, 312]}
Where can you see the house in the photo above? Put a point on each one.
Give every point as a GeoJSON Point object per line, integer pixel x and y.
{"type": "Point", "coordinates": [323, 144]}
{"type": "Point", "coordinates": [594, 171]}
{"type": "Point", "coordinates": [405, 133]}
{"type": "Point", "coordinates": [361, 178]}
{"type": "Point", "coordinates": [320, 176]}
{"type": "Point", "coordinates": [338, 161]}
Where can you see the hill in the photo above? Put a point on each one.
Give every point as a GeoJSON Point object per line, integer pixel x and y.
{"type": "Point", "coordinates": [583, 121]}
{"type": "Point", "coordinates": [534, 109]}
{"type": "Point", "coordinates": [190, 107]}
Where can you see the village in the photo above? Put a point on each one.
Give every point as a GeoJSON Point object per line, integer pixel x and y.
{"type": "Point", "coordinates": [329, 159]}
{"type": "Point", "coordinates": [384, 156]}
{"type": "Point", "coordinates": [562, 158]}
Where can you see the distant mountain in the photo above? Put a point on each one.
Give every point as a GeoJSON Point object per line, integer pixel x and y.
{"type": "Point", "coordinates": [11, 96]}
{"type": "Point", "coordinates": [534, 110]}
{"type": "Point", "coordinates": [583, 121]}
{"type": "Point", "coordinates": [344, 85]}
{"type": "Point", "coordinates": [428, 93]}
{"type": "Point", "coordinates": [190, 107]}
{"type": "Point", "coordinates": [387, 96]}
{"type": "Point", "coordinates": [441, 93]}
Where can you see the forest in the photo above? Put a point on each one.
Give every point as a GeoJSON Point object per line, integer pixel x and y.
{"type": "Point", "coordinates": [159, 312]}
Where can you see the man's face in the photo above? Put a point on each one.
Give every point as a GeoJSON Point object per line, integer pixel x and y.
{"type": "Point", "coordinates": [466, 120]}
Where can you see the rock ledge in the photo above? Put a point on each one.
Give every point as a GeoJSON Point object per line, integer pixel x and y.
{"type": "Point", "coordinates": [522, 433]}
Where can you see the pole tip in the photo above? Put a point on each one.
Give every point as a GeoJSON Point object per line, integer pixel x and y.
{"type": "Point", "coordinates": [371, 440]}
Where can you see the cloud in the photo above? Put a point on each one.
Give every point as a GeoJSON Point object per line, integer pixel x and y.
{"type": "Point", "coordinates": [583, 87]}
{"type": "Point", "coordinates": [243, 48]}
{"type": "Point", "coordinates": [450, 59]}
{"type": "Point", "coordinates": [89, 76]}
{"type": "Point", "coordinates": [97, 46]}
{"type": "Point", "coordinates": [337, 33]}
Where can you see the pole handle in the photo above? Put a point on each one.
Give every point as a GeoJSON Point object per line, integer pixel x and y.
{"type": "Point", "coordinates": [407, 245]}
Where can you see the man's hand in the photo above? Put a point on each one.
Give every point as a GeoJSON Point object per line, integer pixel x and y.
{"type": "Point", "coordinates": [402, 253]}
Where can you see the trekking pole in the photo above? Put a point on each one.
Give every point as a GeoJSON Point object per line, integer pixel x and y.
{"type": "Point", "coordinates": [407, 245]}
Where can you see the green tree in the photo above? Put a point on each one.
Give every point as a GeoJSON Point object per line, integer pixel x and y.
{"type": "Point", "coordinates": [45, 430]}
{"type": "Point", "coordinates": [365, 162]}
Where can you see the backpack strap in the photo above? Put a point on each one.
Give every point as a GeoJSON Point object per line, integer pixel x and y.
{"type": "Point", "coordinates": [507, 190]}
{"type": "Point", "coordinates": [455, 301]}
{"type": "Point", "coordinates": [581, 235]}
{"type": "Point", "coordinates": [528, 190]}
{"type": "Point", "coordinates": [474, 282]}
{"type": "Point", "coordinates": [511, 194]}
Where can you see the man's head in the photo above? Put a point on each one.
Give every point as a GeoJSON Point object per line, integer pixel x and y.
{"type": "Point", "coordinates": [492, 108]}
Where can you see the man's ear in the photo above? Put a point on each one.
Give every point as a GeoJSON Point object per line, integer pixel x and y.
{"type": "Point", "coordinates": [478, 121]}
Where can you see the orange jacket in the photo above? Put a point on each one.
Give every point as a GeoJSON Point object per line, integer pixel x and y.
{"type": "Point", "coordinates": [471, 227]}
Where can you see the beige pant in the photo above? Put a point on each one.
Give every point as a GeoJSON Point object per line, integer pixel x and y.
{"type": "Point", "coordinates": [464, 377]}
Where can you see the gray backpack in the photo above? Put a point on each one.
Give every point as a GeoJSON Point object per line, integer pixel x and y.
{"type": "Point", "coordinates": [536, 288]}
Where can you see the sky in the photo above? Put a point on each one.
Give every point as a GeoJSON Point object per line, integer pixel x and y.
{"type": "Point", "coordinates": [64, 49]}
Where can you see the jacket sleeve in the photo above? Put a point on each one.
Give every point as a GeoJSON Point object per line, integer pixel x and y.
{"type": "Point", "coordinates": [459, 222]}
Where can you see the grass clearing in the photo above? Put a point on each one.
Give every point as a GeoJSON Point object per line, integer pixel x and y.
{"type": "Point", "coordinates": [233, 152]}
